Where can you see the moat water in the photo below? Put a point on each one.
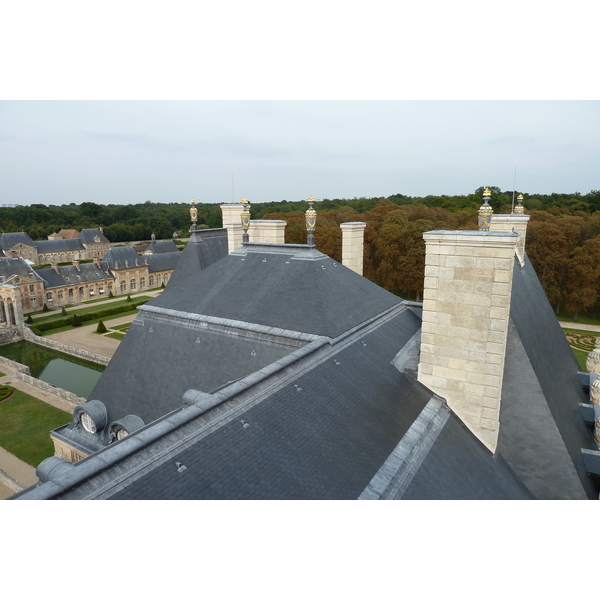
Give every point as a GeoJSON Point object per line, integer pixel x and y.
{"type": "Point", "coordinates": [56, 368]}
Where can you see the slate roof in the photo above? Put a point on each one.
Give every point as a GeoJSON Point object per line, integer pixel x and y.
{"type": "Point", "coordinates": [87, 236]}
{"type": "Point", "coordinates": [10, 240]}
{"type": "Point", "coordinates": [162, 262]}
{"type": "Point", "coordinates": [276, 373]}
{"type": "Point", "coordinates": [183, 355]}
{"type": "Point", "coordinates": [204, 247]}
{"type": "Point", "coordinates": [123, 257]}
{"type": "Point", "coordinates": [70, 275]}
{"type": "Point", "coordinates": [17, 266]}
{"type": "Point", "coordinates": [292, 287]}
{"type": "Point", "coordinates": [68, 245]}
{"type": "Point", "coordinates": [162, 246]}
{"type": "Point", "coordinates": [541, 429]}
{"type": "Point", "coordinates": [321, 428]}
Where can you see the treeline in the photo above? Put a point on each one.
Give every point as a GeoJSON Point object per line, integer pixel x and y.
{"type": "Point", "coordinates": [121, 223]}
{"type": "Point", "coordinates": [563, 240]}
{"type": "Point", "coordinates": [563, 246]}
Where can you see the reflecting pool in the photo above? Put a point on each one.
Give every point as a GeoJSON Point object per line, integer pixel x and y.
{"type": "Point", "coordinates": [56, 368]}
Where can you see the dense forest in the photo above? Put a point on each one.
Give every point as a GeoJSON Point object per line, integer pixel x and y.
{"type": "Point", "coordinates": [563, 239]}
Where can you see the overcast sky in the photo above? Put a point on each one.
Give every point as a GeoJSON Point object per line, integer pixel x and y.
{"type": "Point", "coordinates": [273, 102]}
{"type": "Point", "coordinates": [55, 152]}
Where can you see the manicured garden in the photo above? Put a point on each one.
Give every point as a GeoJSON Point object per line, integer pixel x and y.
{"type": "Point", "coordinates": [582, 343]}
{"type": "Point", "coordinates": [25, 425]}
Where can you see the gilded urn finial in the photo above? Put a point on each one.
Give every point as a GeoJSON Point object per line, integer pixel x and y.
{"type": "Point", "coordinates": [245, 216]}
{"type": "Point", "coordinates": [194, 214]}
{"type": "Point", "coordinates": [485, 212]}
{"type": "Point", "coordinates": [311, 221]}
{"type": "Point", "coordinates": [519, 210]}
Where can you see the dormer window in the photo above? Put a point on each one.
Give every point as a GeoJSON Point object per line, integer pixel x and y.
{"type": "Point", "coordinates": [87, 423]}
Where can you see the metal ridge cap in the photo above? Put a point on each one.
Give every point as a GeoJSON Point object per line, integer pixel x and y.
{"type": "Point", "coordinates": [243, 325]}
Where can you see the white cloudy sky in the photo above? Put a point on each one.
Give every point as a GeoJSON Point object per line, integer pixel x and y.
{"type": "Point", "coordinates": [318, 100]}
{"type": "Point", "coordinates": [55, 152]}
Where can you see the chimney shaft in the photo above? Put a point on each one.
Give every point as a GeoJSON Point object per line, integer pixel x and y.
{"type": "Point", "coordinates": [232, 221]}
{"type": "Point", "coordinates": [353, 237]}
{"type": "Point", "coordinates": [466, 303]}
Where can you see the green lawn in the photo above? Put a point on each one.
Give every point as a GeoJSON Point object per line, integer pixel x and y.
{"type": "Point", "coordinates": [116, 335]}
{"type": "Point", "coordinates": [25, 425]}
{"type": "Point", "coordinates": [91, 322]}
{"type": "Point", "coordinates": [81, 310]}
{"type": "Point", "coordinates": [121, 327]}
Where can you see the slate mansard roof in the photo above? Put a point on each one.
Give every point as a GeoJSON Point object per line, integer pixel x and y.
{"type": "Point", "coordinates": [71, 275]}
{"type": "Point", "coordinates": [88, 236]}
{"type": "Point", "coordinates": [123, 257]}
{"type": "Point", "coordinates": [10, 240]}
{"type": "Point", "coordinates": [17, 266]}
{"type": "Point", "coordinates": [205, 247]}
{"type": "Point", "coordinates": [162, 246]}
{"type": "Point", "coordinates": [66, 245]}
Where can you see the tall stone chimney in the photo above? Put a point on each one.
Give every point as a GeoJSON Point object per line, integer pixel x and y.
{"type": "Point", "coordinates": [232, 221]}
{"type": "Point", "coordinates": [466, 303]}
{"type": "Point", "coordinates": [265, 231]}
{"type": "Point", "coordinates": [353, 237]}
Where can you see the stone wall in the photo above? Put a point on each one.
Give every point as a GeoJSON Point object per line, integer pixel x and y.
{"type": "Point", "coordinates": [48, 343]}
{"type": "Point", "coordinates": [46, 387]}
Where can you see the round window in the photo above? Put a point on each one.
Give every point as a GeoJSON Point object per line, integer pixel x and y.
{"type": "Point", "coordinates": [88, 423]}
{"type": "Point", "coordinates": [121, 433]}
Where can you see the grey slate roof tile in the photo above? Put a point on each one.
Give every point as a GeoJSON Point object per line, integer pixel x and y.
{"type": "Point", "coordinates": [541, 428]}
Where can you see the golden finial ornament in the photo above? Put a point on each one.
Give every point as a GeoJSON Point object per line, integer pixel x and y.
{"type": "Point", "coordinates": [311, 221]}
{"type": "Point", "coordinates": [519, 210]}
{"type": "Point", "coordinates": [194, 214]}
{"type": "Point", "coordinates": [245, 216]}
{"type": "Point", "coordinates": [485, 212]}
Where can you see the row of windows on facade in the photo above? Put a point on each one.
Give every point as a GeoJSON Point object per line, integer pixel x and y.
{"type": "Point", "coordinates": [152, 281]}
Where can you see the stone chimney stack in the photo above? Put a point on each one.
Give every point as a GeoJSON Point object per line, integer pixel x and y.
{"type": "Point", "coordinates": [353, 237]}
{"type": "Point", "coordinates": [97, 262]}
{"type": "Point", "coordinates": [76, 264]}
{"type": "Point", "coordinates": [232, 221]}
{"type": "Point", "coordinates": [466, 305]}
{"type": "Point", "coordinates": [55, 267]}
{"type": "Point", "coordinates": [265, 231]}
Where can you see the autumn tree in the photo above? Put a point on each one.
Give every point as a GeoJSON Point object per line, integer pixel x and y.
{"type": "Point", "coordinates": [582, 282]}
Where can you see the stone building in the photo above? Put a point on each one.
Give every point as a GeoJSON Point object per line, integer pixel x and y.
{"type": "Point", "coordinates": [133, 272]}
{"type": "Point", "coordinates": [272, 371]}
{"type": "Point", "coordinates": [89, 244]}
